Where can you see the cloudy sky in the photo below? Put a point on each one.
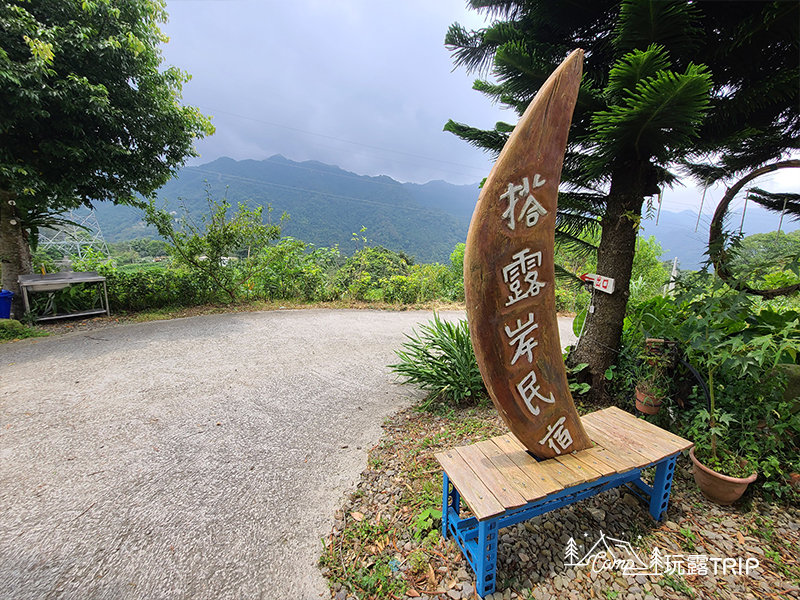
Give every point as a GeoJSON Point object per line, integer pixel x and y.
{"type": "Point", "coordinates": [363, 84]}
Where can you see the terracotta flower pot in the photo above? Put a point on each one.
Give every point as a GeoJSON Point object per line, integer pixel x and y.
{"type": "Point", "coordinates": [719, 488]}
{"type": "Point", "coordinates": [647, 403]}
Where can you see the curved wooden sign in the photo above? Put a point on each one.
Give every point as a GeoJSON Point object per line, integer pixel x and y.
{"type": "Point", "coordinates": [509, 274]}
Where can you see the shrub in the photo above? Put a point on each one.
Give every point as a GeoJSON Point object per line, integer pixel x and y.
{"type": "Point", "coordinates": [440, 360]}
{"type": "Point", "coordinates": [360, 276]}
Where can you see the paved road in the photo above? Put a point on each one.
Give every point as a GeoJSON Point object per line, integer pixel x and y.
{"type": "Point", "coordinates": [195, 458]}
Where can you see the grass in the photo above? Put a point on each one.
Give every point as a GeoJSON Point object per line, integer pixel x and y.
{"type": "Point", "coordinates": [12, 330]}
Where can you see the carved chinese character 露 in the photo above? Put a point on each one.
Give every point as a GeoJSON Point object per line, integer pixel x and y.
{"type": "Point", "coordinates": [523, 270]}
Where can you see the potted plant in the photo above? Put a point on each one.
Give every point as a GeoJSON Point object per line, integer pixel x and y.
{"type": "Point", "coordinates": [651, 382]}
{"type": "Point", "coordinates": [712, 334]}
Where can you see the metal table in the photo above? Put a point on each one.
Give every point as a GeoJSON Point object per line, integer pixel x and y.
{"type": "Point", "coordinates": [51, 282]}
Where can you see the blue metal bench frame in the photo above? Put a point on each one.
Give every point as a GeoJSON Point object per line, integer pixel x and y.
{"type": "Point", "coordinates": [478, 539]}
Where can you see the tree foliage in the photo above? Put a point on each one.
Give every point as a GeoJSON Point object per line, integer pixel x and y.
{"type": "Point", "coordinates": [89, 112]}
{"type": "Point", "coordinates": [228, 251]}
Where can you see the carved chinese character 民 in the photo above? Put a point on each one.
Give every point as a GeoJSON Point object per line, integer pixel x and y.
{"type": "Point", "coordinates": [529, 391]}
{"type": "Point", "coordinates": [523, 270]}
{"type": "Point", "coordinates": [519, 336]}
{"type": "Point", "coordinates": [531, 210]}
{"type": "Point", "coordinates": [558, 436]}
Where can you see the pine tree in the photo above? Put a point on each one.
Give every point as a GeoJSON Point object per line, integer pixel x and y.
{"type": "Point", "coordinates": [711, 86]}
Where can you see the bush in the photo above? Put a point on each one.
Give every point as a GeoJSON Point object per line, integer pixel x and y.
{"type": "Point", "coordinates": [440, 360]}
{"type": "Point", "coordinates": [290, 271]}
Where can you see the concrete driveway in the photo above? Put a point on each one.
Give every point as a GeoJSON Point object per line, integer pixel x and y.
{"type": "Point", "coordinates": [195, 458]}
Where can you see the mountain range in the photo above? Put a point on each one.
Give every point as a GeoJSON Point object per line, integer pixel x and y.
{"type": "Point", "coordinates": [327, 206]}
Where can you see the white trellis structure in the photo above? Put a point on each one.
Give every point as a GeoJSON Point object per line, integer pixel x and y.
{"type": "Point", "coordinates": [75, 239]}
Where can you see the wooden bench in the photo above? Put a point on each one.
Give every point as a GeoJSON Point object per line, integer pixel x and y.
{"type": "Point", "coordinates": [504, 485]}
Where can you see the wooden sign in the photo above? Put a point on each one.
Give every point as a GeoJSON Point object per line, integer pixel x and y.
{"type": "Point", "coordinates": [509, 274]}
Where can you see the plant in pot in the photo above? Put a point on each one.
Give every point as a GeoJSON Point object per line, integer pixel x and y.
{"type": "Point", "coordinates": [651, 382]}
{"type": "Point", "coordinates": [713, 334]}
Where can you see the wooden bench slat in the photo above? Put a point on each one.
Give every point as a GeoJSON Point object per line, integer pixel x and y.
{"type": "Point", "coordinates": [597, 432]}
{"type": "Point", "coordinates": [667, 438]}
{"type": "Point", "coordinates": [594, 462]}
{"type": "Point", "coordinates": [565, 476]}
{"type": "Point", "coordinates": [491, 477]}
{"type": "Point", "coordinates": [620, 463]}
{"type": "Point", "coordinates": [648, 446]}
{"type": "Point", "coordinates": [574, 463]}
{"type": "Point", "coordinates": [529, 465]}
{"type": "Point", "coordinates": [472, 490]}
{"type": "Point", "coordinates": [526, 486]}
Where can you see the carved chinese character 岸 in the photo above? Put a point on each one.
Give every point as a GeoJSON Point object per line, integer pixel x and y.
{"type": "Point", "coordinates": [519, 336]}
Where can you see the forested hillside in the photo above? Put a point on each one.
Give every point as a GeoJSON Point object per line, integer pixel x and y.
{"type": "Point", "coordinates": [326, 205]}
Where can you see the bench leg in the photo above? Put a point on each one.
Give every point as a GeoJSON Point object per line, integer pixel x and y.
{"type": "Point", "coordinates": [662, 486]}
{"type": "Point", "coordinates": [486, 559]}
{"type": "Point", "coordinates": [450, 499]}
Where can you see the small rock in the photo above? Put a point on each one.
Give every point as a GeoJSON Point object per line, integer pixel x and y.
{"type": "Point", "coordinates": [548, 525]}
{"type": "Point", "coordinates": [454, 594]}
{"type": "Point", "coordinates": [630, 500]}
{"type": "Point", "coordinates": [598, 514]}
{"type": "Point", "coordinates": [462, 575]}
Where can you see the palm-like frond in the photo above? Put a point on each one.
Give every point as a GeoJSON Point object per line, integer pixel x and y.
{"type": "Point", "coordinates": [568, 278]}
{"type": "Point", "coordinates": [669, 23]}
{"type": "Point", "coordinates": [654, 122]}
{"type": "Point", "coordinates": [634, 67]}
{"type": "Point", "coordinates": [469, 48]}
{"type": "Point", "coordinates": [777, 202]}
{"type": "Point", "coordinates": [491, 140]}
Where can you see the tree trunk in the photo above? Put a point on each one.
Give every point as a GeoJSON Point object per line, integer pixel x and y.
{"type": "Point", "coordinates": [599, 345]}
{"type": "Point", "coordinates": [15, 253]}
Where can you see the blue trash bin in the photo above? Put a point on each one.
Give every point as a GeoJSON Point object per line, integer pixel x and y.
{"type": "Point", "coordinates": [5, 303]}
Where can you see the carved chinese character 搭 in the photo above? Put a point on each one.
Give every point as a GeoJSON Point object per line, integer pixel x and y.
{"type": "Point", "coordinates": [531, 210]}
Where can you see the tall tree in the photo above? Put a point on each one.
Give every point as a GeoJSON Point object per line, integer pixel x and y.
{"type": "Point", "coordinates": [89, 114]}
{"type": "Point", "coordinates": [666, 83]}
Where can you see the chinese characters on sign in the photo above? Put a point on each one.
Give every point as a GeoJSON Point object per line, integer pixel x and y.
{"type": "Point", "coordinates": [521, 277]}
{"type": "Point", "coordinates": [523, 269]}
{"type": "Point", "coordinates": [558, 436]}
{"type": "Point", "coordinates": [531, 210]}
